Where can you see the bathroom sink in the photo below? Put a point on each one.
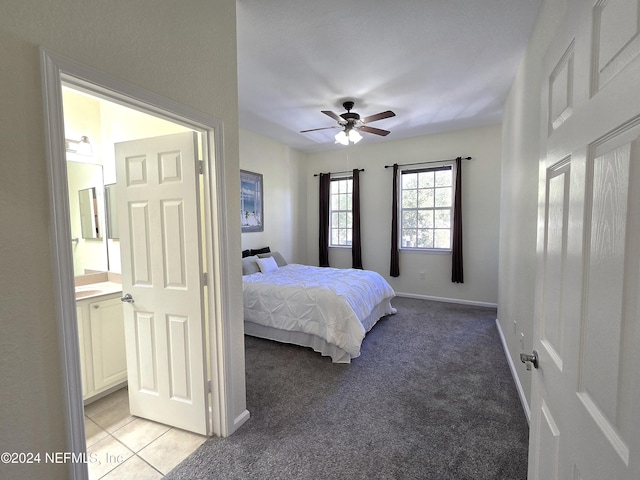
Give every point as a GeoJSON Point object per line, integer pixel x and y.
{"type": "Point", "coordinates": [87, 293]}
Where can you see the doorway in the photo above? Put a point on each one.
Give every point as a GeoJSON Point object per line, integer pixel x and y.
{"type": "Point", "coordinates": [56, 71]}
{"type": "Point", "coordinates": [111, 425]}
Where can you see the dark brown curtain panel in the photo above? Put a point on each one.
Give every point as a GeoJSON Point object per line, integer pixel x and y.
{"type": "Point", "coordinates": [456, 257]}
{"type": "Point", "coordinates": [395, 253]}
{"type": "Point", "coordinates": [356, 238]}
{"type": "Point", "coordinates": [323, 216]}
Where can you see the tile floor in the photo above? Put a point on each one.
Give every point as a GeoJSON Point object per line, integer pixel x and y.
{"type": "Point", "coordinates": [125, 446]}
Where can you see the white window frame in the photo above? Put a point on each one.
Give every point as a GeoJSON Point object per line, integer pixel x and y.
{"type": "Point", "coordinates": [434, 226]}
{"type": "Point", "coordinates": [341, 212]}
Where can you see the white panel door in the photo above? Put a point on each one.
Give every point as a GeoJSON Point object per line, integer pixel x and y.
{"type": "Point", "coordinates": [158, 210]}
{"type": "Point", "coordinates": [585, 421]}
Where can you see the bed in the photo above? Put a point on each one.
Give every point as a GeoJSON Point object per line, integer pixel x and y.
{"type": "Point", "coordinates": [327, 309]}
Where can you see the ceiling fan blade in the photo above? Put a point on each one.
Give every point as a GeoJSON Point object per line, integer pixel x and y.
{"type": "Point", "coordinates": [335, 116]}
{"type": "Point", "coordinates": [378, 116]}
{"type": "Point", "coordinates": [321, 128]}
{"type": "Point", "coordinates": [376, 131]}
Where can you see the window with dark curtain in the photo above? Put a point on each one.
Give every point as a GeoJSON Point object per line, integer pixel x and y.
{"type": "Point", "coordinates": [323, 216]}
{"type": "Point", "coordinates": [395, 254]}
{"type": "Point", "coordinates": [356, 239]}
{"type": "Point", "coordinates": [340, 212]}
{"type": "Point", "coordinates": [425, 216]}
{"type": "Point", "coordinates": [456, 257]}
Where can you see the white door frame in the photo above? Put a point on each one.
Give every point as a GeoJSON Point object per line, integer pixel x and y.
{"type": "Point", "coordinates": [55, 71]}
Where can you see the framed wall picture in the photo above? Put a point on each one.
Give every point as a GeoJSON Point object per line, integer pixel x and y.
{"type": "Point", "coordinates": [251, 202]}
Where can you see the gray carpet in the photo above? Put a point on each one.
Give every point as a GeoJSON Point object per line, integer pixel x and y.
{"type": "Point", "coordinates": [430, 397]}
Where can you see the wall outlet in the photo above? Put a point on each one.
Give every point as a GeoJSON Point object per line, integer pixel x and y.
{"type": "Point", "coordinates": [421, 275]}
{"type": "Point", "coordinates": [522, 341]}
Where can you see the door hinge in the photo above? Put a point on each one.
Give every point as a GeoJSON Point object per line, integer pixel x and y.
{"type": "Point", "coordinates": [210, 386]}
{"type": "Point", "coordinates": [200, 167]}
{"type": "Point", "coordinates": [204, 279]}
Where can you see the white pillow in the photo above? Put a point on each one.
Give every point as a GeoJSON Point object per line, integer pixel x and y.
{"type": "Point", "coordinates": [267, 264]}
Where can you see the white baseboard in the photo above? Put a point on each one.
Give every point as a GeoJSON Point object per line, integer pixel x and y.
{"type": "Point", "coordinates": [448, 300]}
{"type": "Point", "coordinates": [240, 419]}
{"type": "Point", "coordinates": [514, 374]}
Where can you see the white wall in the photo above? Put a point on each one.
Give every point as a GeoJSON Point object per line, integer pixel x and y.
{"type": "Point", "coordinates": [283, 170]}
{"type": "Point", "coordinates": [105, 123]}
{"type": "Point", "coordinates": [481, 186]}
{"type": "Point", "coordinates": [185, 51]}
{"type": "Point", "coordinates": [519, 192]}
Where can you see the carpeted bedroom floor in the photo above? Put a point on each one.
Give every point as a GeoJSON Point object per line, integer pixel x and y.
{"type": "Point", "coordinates": [430, 397]}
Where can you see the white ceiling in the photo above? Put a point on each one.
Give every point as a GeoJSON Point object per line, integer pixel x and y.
{"type": "Point", "coordinates": [440, 65]}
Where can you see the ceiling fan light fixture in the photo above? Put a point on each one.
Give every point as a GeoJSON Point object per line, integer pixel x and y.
{"type": "Point", "coordinates": [350, 121]}
{"type": "Point", "coordinates": [354, 136]}
{"type": "Point", "coordinates": [348, 135]}
{"type": "Point", "coordinates": [342, 138]}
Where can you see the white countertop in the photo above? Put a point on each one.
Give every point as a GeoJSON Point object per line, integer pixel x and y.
{"type": "Point", "coordinates": [93, 290]}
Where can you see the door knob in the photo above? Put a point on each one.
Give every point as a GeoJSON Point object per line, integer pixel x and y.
{"type": "Point", "coordinates": [127, 298]}
{"type": "Point", "coordinates": [529, 360]}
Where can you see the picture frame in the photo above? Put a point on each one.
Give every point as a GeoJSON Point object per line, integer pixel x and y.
{"type": "Point", "coordinates": [251, 202]}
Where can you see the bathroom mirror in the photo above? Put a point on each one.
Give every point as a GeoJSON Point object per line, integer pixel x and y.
{"type": "Point", "coordinates": [89, 220]}
{"type": "Point", "coordinates": [87, 217]}
{"type": "Point", "coordinates": [111, 202]}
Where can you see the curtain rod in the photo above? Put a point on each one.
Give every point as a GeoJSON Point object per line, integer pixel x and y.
{"type": "Point", "coordinates": [432, 161]}
{"type": "Point", "coordinates": [338, 173]}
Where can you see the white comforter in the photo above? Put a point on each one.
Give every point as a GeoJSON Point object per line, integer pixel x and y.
{"type": "Point", "coordinates": [327, 302]}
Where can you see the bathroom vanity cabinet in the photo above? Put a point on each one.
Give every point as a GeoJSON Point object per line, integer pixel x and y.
{"type": "Point", "coordinates": [102, 345]}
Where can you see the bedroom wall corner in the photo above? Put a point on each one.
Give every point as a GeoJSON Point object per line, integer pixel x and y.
{"type": "Point", "coordinates": [519, 193]}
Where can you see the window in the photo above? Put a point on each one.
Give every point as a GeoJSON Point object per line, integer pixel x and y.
{"type": "Point", "coordinates": [427, 208]}
{"type": "Point", "coordinates": [340, 218]}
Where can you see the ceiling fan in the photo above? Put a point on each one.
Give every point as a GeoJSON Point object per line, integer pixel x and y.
{"type": "Point", "coordinates": [352, 123]}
